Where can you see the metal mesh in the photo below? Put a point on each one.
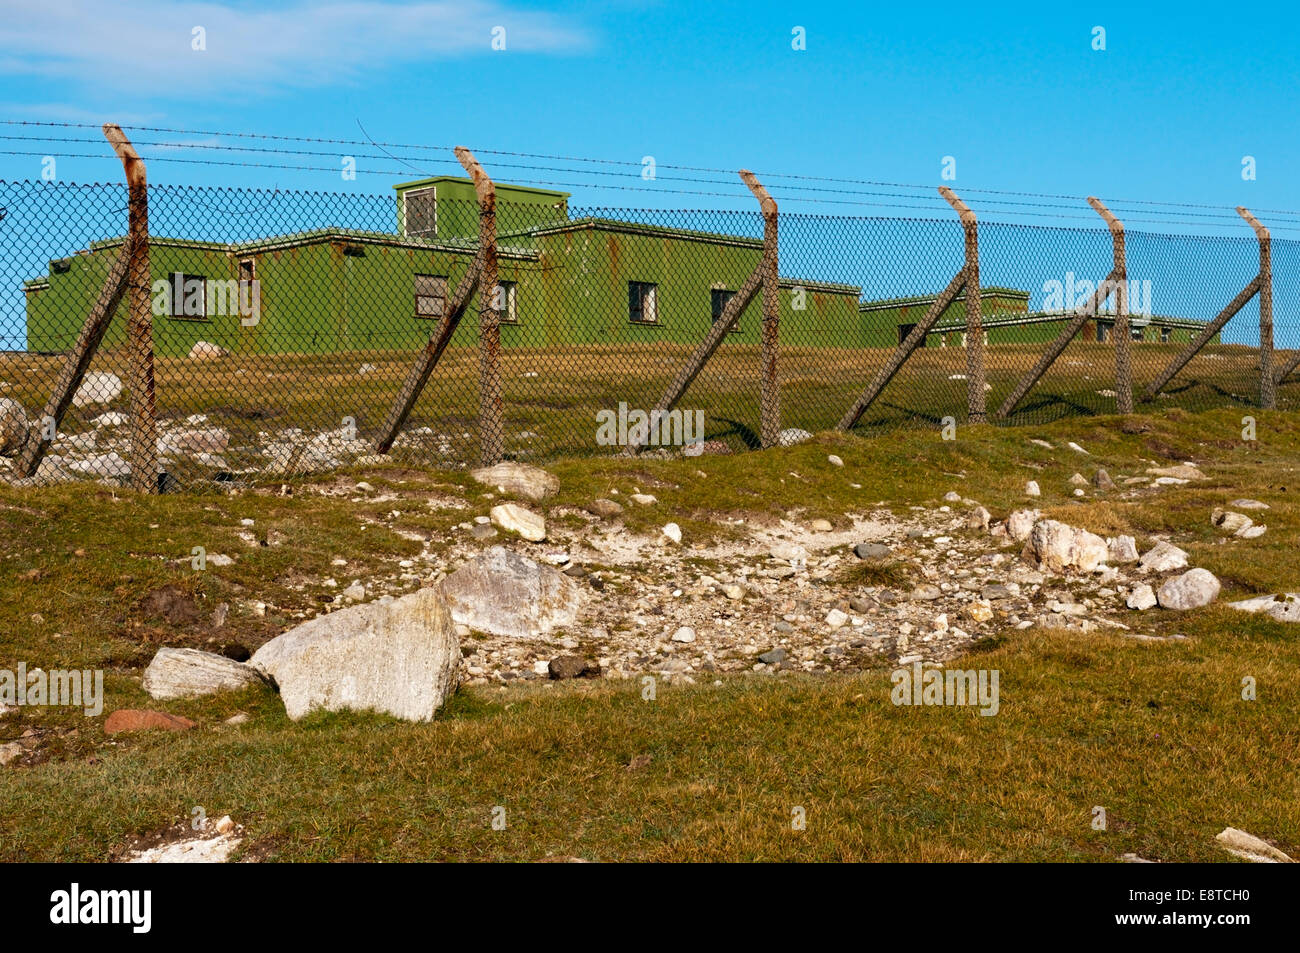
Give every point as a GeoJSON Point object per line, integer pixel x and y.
{"type": "Point", "coordinates": [286, 322]}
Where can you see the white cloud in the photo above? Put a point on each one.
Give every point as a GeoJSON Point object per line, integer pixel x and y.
{"type": "Point", "coordinates": [147, 45]}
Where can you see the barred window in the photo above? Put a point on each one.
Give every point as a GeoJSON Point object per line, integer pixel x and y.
{"type": "Point", "coordinates": [421, 211]}
{"type": "Point", "coordinates": [189, 294]}
{"type": "Point", "coordinates": [642, 307]}
{"type": "Point", "coordinates": [430, 296]}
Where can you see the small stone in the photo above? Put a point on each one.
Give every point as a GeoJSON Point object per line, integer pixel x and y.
{"type": "Point", "coordinates": [1021, 523]}
{"type": "Point", "coordinates": [515, 519]}
{"type": "Point", "coordinates": [733, 591]}
{"type": "Point", "coordinates": [1078, 480]}
{"type": "Point", "coordinates": [605, 509]}
{"type": "Point", "coordinates": [821, 526]}
{"type": "Point", "coordinates": [871, 551]}
{"type": "Point", "coordinates": [684, 634]}
{"type": "Point", "coordinates": [773, 656]}
{"type": "Point", "coordinates": [128, 719]}
{"type": "Point", "coordinates": [979, 518]}
{"type": "Point", "coordinates": [952, 496]}
{"type": "Point", "coordinates": [673, 532]}
{"type": "Point", "coordinates": [792, 436]}
{"type": "Point", "coordinates": [980, 611]}
{"type": "Point", "coordinates": [834, 461]}
{"type": "Point", "coordinates": [569, 666]}
{"type": "Point", "coordinates": [644, 499]}
{"type": "Point", "coordinates": [355, 592]}
{"type": "Point", "coordinates": [1102, 481]}
{"type": "Point", "coordinates": [836, 618]}
{"type": "Point", "coordinates": [1230, 522]}
{"type": "Point", "coordinates": [925, 593]}
{"type": "Point", "coordinates": [482, 531]}
{"type": "Point", "coordinates": [1249, 505]}
{"type": "Point", "coordinates": [1252, 532]}
{"type": "Point", "coordinates": [1031, 488]}
{"type": "Point", "coordinates": [1184, 471]}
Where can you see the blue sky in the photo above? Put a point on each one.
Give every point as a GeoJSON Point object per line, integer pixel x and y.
{"type": "Point", "coordinates": [1015, 93]}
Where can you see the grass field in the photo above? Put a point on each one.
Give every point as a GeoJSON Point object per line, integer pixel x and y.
{"type": "Point", "coordinates": [552, 396]}
{"type": "Point", "coordinates": [1157, 733]}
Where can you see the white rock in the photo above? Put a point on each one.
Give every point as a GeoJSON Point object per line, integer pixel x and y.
{"type": "Point", "coordinates": [532, 483]}
{"type": "Point", "coordinates": [184, 673]}
{"type": "Point", "coordinates": [97, 388]}
{"type": "Point", "coordinates": [1230, 522]}
{"type": "Point", "coordinates": [504, 593]}
{"type": "Point", "coordinates": [791, 436]}
{"type": "Point", "coordinates": [1020, 523]}
{"type": "Point", "coordinates": [645, 499]}
{"type": "Point", "coordinates": [13, 427]}
{"type": "Point", "coordinates": [1249, 505]}
{"type": "Point", "coordinates": [684, 634]}
{"type": "Point", "coordinates": [1057, 546]}
{"type": "Point", "coordinates": [1075, 446]}
{"type": "Point", "coordinates": [1121, 549]}
{"type": "Point", "coordinates": [1249, 847]}
{"type": "Point", "coordinates": [1031, 488]}
{"type": "Point", "coordinates": [1163, 557]}
{"type": "Point", "coordinates": [355, 592]}
{"type": "Point", "coordinates": [515, 519]}
{"type": "Point", "coordinates": [1283, 608]}
{"type": "Point", "coordinates": [673, 532]}
{"type": "Point", "coordinates": [207, 351]}
{"type": "Point", "coordinates": [113, 418]}
{"type": "Point", "coordinates": [836, 618]}
{"type": "Point", "coordinates": [400, 657]}
{"type": "Point", "coordinates": [1252, 532]}
{"type": "Point", "coordinates": [1191, 590]}
{"type": "Point", "coordinates": [834, 461]}
{"type": "Point", "coordinates": [1141, 597]}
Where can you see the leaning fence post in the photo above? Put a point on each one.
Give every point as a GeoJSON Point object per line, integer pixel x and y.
{"type": "Point", "coordinates": [974, 322]}
{"type": "Point", "coordinates": [770, 399]}
{"type": "Point", "coordinates": [1123, 339]}
{"type": "Point", "coordinates": [1267, 383]}
{"type": "Point", "coordinates": [144, 424]}
{"type": "Point", "coordinates": [490, 424]}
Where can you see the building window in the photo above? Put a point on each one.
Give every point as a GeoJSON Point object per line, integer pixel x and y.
{"type": "Point", "coordinates": [1135, 333]}
{"type": "Point", "coordinates": [420, 207]}
{"type": "Point", "coordinates": [507, 292]}
{"type": "Point", "coordinates": [1164, 335]}
{"type": "Point", "coordinates": [1101, 333]}
{"type": "Point", "coordinates": [718, 299]}
{"type": "Point", "coordinates": [189, 294]}
{"type": "Point", "coordinates": [642, 302]}
{"type": "Point", "coordinates": [430, 296]}
{"type": "Point", "coordinates": [905, 330]}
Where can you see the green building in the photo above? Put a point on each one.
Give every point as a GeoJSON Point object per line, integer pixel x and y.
{"type": "Point", "coordinates": [564, 281]}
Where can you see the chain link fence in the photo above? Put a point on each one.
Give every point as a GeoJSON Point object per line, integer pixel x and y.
{"type": "Point", "coordinates": [285, 324]}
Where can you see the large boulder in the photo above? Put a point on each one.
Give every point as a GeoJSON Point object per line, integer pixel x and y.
{"type": "Point", "coordinates": [184, 673]}
{"type": "Point", "coordinates": [396, 656]}
{"type": "Point", "coordinates": [520, 479]}
{"type": "Point", "coordinates": [1020, 522]}
{"type": "Point", "coordinates": [13, 426]}
{"type": "Point", "coordinates": [1057, 546]}
{"type": "Point", "coordinates": [1191, 590]}
{"type": "Point", "coordinates": [507, 594]}
{"type": "Point", "coordinates": [97, 388]}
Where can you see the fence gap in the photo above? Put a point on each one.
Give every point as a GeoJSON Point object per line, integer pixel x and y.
{"type": "Point", "coordinates": [1256, 285]}
{"type": "Point", "coordinates": [454, 310]}
{"type": "Point", "coordinates": [916, 338]}
{"type": "Point", "coordinates": [763, 277]}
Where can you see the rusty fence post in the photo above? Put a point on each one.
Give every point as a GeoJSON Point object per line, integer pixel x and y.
{"type": "Point", "coordinates": [1267, 381]}
{"type": "Point", "coordinates": [1254, 286]}
{"type": "Point", "coordinates": [473, 281]}
{"type": "Point", "coordinates": [975, 376]}
{"type": "Point", "coordinates": [761, 277]}
{"type": "Point", "coordinates": [770, 398]}
{"type": "Point", "coordinates": [1123, 336]}
{"type": "Point", "coordinates": [1072, 328]}
{"type": "Point", "coordinates": [144, 423]}
{"type": "Point", "coordinates": [490, 423]}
